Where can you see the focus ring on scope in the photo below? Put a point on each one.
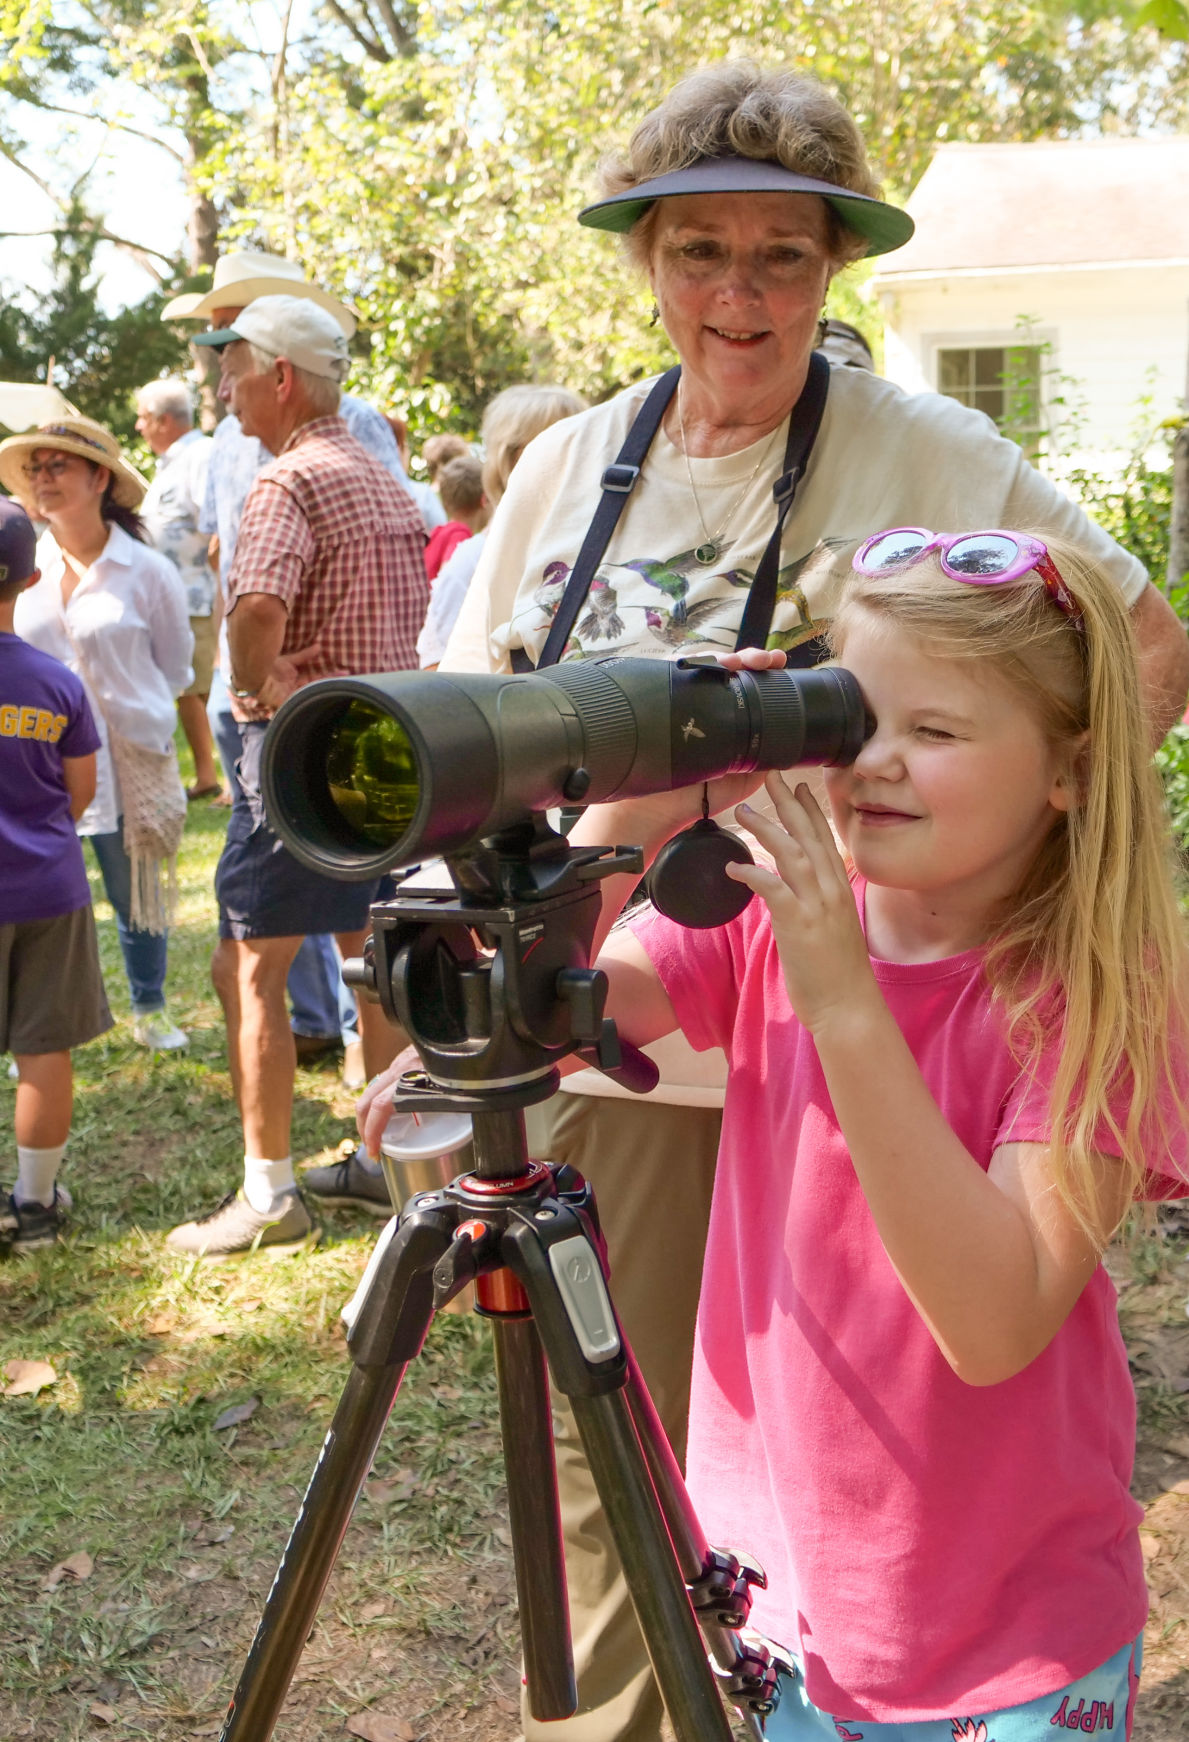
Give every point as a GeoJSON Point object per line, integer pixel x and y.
{"type": "Point", "coordinates": [781, 718]}
{"type": "Point", "coordinates": [608, 720]}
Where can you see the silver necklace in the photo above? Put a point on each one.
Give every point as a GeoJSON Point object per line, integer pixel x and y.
{"type": "Point", "coordinates": [708, 551]}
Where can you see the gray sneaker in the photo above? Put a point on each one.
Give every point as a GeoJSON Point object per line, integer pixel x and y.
{"type": "Point", "coordinates": [351, 1182]}
{"type": "Point", "coordinates": [236, 1227]}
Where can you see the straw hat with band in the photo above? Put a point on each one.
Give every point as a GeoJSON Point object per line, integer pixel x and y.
{"type": "Point", "coordinates": [884, 227]}
{"type": "Point", "coordinates": [71, 435]}
{"type": "Point", "coordinates": [244, 275]}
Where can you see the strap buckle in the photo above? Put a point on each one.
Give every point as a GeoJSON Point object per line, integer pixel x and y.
{"type": "Point", "coordinates": [620, 478]}
{"type": "Point", "coordinates": [785, 487]}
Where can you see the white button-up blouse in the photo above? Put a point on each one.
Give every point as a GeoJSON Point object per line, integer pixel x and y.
{"type": "Point", "coordinates": [128, 616]}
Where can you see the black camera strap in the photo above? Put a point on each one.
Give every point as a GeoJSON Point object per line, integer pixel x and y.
{"type": "Point", "coordinates": [620, 479]}
{"type": "Point", "coordinates": [804, 424]}
{"type": "Point", "coordinates": [618, 482]}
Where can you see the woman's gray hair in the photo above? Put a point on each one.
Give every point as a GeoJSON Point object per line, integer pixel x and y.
{"type": "Point", "coordinates": [741, 109]}
{"type": "Point", "coordinates": [323, 394]}
{"type": "Point", "coordinates": [167, 397]}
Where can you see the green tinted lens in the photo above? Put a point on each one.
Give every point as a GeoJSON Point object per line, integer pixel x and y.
{"type": "Point", "coordinates": [371, 772]}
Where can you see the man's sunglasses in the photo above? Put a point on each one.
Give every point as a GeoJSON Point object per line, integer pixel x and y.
{"type": "Point", "coordinates": [984, 559]}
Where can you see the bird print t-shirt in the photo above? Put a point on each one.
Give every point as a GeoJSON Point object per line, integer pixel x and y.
{"type": "Point", "coordinates": [882, 458]}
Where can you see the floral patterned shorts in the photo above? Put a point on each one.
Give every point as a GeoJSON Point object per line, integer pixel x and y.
{"type": "Point", "coordinates": [1098, 1704]}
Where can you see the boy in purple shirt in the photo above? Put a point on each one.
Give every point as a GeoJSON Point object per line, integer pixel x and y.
{"type": "Point", "coordinates": [51, 989]}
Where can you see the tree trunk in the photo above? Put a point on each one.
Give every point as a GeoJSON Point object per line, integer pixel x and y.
{"type": "Point", "coordinates": [1178, 527]}
{"type": "Point", "coordinates": [202, 237]}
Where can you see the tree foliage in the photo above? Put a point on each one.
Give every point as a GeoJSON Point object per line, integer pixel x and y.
{"type": "Point", "coordinates": [426, 158]}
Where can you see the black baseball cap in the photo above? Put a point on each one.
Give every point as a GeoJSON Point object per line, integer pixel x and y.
{"type": "Point", "coordinates": [18, 543]}
{"type": "Point", "coordinates": [885, 227]}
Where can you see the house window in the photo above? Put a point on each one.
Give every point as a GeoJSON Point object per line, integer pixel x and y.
{"type": "Point", "coordinates": [1002, 380]}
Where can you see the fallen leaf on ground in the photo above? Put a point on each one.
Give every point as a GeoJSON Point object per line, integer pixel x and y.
{"type": "Point", "coordinates": [210, 1535]}
{"type": "Point", "coordinates": [378, 1727]}
{"type": "Point", "coordinates": [77, 1566]}
{"type": "Point", "coordinates": [27, 1378]}
{"type": "Point", "coordinates": [160, 1324]}
{"type": "Point", "coordinates": [105, 1714]}
{"type": "Point", "coordinates": [505, 1703]}
{"type": "Point", "coordinates": [239, 1412]}
{"type": "Point", "coordinates": [1149, 1545]}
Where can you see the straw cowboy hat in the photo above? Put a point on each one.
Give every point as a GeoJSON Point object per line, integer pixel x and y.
{"type": "Point", "coordinates": [71, 435]}
{"type": "Point", "coordinates": [242, 276]}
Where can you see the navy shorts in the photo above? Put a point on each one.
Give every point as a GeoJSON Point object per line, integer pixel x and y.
{"type": "Point", "coordinates": [263, 891]}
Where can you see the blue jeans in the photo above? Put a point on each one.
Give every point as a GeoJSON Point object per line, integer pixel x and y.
{"type": "Point", "coordinates": [145, 952]}
{"type": "Point", "coordinates": [320, 1002]}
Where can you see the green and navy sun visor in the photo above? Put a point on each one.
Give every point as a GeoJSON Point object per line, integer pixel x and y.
{"type": "Point", "coordinates": [884, 227]}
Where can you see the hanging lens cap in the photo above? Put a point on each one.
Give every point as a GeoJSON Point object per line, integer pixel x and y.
{"type": "Point", "coordinates": [688, 882]}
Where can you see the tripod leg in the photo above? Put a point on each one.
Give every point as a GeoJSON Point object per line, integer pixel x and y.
{"type": "Point", "coordinates": [654, 1579]}
{"type": "Point", "coordinates": [292, 1604]}
{"type": "Point", "coordinates": [534, 1518]}
{"type": "Point", "coordinates": [387, 1334]}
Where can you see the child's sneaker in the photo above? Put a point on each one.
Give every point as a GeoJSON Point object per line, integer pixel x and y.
{"type": "Point", "coordinates": [27, 1226]}
{"type": "Point", "coordinates": [158, 1033]}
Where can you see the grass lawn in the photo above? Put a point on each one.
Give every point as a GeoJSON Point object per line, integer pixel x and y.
{"type": "Point", "coordinates": [139, 1540]}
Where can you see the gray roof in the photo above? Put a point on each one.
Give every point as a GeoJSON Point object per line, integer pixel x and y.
{"type": "Point", "coordinates": [1048, 203]}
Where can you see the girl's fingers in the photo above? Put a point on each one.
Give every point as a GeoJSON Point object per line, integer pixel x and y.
{"type": "Point", "coordinates": [806, 822]}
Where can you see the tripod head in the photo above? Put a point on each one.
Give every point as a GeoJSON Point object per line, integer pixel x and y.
{"type": "Point", "coordinates": [490, 976]}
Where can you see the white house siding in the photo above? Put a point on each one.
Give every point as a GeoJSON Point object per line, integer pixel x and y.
{"type": "Point", "coordinates": [1106, 327]}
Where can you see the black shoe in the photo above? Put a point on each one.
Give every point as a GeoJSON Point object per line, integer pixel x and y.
{"type": "Point", "coordinates": [349, 1183]}
{"type": "Point", "coordinates": [25, 1227]}
{"type": "Point", "coordinates": [311, 1047]}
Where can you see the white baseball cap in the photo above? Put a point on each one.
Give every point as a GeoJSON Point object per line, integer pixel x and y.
{"type": "Point", "coordinates": [288, 326]}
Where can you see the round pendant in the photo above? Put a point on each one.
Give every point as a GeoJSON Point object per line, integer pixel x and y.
{"type": "Point", "coordinates": [706, 554]}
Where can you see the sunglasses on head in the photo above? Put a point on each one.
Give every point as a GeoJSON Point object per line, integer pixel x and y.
{"type": "Point", "coordinates": [984, 559]}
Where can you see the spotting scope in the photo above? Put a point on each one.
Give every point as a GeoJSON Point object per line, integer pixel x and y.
{"type": "Point", "coordinates": [362, 775]}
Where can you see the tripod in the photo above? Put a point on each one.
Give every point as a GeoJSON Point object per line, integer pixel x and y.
{"type": "Point", "coordinates": [490, 1019]}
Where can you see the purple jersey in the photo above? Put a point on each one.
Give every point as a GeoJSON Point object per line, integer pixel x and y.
{"type": "Point", "coordinates": [44, 716]}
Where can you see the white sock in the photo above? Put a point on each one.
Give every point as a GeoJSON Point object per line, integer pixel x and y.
{"type": "Point", "coordinates": [37, 1169]}
{"type": "Point", "coordinates": [266, 1181]}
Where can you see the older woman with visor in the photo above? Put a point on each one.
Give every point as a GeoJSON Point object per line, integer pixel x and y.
{"type": "Point", "coordinates": [738, 199]}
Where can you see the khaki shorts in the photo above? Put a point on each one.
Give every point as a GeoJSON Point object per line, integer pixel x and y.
{"type": "Point", "coordinates": [206, 642]}
{"type": "Point", "coordinates": [51, 989]}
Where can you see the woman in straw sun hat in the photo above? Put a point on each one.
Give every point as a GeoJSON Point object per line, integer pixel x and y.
{"type": "Point", "coordinates": [114, 611]}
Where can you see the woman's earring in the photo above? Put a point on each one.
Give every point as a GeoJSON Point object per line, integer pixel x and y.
{"type": "Point", "coordinates": [823, 327]}
{"type": "Point", "coordinates": [655, 316]}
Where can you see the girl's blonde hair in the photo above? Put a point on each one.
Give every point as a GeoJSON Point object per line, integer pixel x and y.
{"type": "Point", "coordinates": [511, 421]}
{"type": "Point", "coordinates": [1090, 951]}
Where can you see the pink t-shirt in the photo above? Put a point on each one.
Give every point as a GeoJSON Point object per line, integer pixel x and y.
{"type": "Point", "coordinates": [930, 1545]}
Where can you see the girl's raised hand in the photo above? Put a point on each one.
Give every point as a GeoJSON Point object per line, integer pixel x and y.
{"type": "Point", "coordinates": [814, 918]}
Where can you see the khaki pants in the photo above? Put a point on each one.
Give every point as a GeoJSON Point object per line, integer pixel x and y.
{"type": "Point", "coordinates": [652, 1169]}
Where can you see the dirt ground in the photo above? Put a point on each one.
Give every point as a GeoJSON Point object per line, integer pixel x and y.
{"type": "Point", "coordinates": [417, 1636]}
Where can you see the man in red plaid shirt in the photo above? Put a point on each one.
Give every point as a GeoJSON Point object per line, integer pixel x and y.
{"type": "Point", "coordinates": [329, 581]}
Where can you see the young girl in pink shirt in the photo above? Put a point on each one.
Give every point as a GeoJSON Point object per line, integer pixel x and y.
{"type": "Point", "coordinates": [957, 1057]}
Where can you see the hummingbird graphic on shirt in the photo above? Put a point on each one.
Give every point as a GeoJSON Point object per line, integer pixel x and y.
{"type": "Point", "coordinates": [671, 577]}
{"type": "Point", "coordinates": [602, 622]}
{"type": "Point", "coordinates": [553, 584]}
{"type": "Point", "coordinates": [674, 634]}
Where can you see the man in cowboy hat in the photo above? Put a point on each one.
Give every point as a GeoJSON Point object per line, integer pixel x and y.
{"type": "Point", "coordinates": [328, 579]}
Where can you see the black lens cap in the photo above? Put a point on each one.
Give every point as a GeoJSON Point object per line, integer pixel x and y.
{"type": "Point", "coordinates": [688, 882]}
